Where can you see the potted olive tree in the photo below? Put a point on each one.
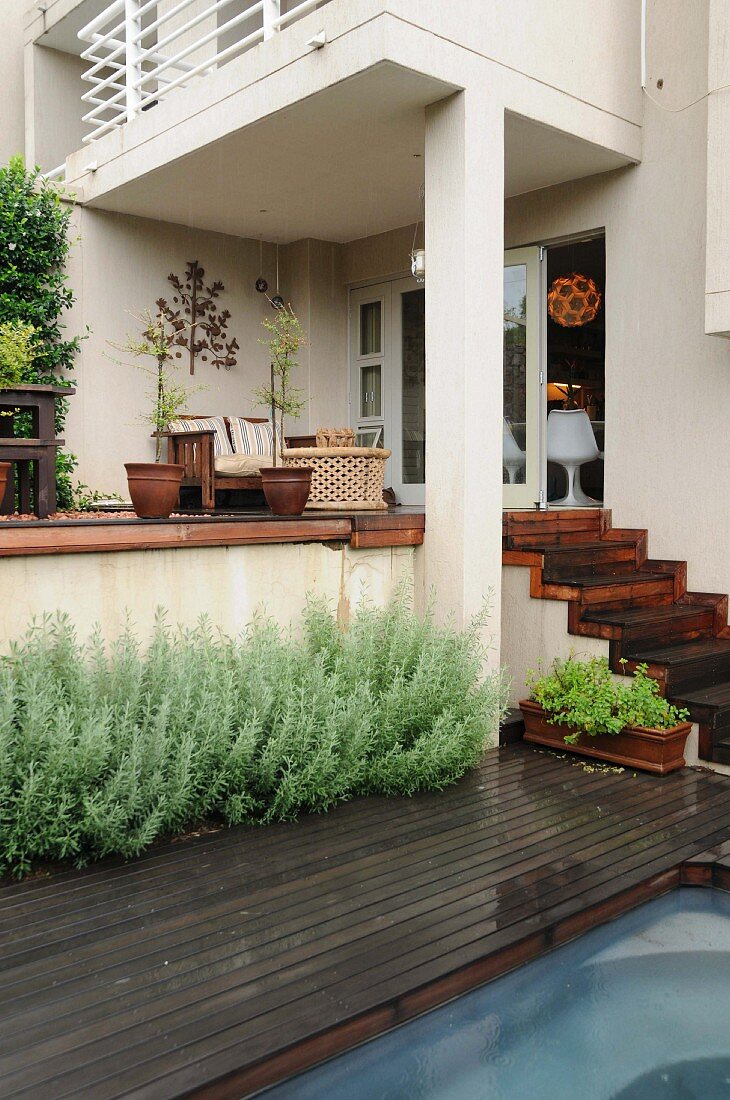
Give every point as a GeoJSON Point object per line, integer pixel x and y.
{"type": "Point", "coordinates": [155, 486]}
{"type": "Point", "coordinates": [286, 488]}
{"type": "Point", "coordinates": [18, 352]}
{"type": "Point", "coordinates": [580, 707]}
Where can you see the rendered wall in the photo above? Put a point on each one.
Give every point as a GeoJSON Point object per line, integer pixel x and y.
{"type": "Point", "coordinates": [12, 114]}
{"type": "Point", "coordinates": [228, 584]}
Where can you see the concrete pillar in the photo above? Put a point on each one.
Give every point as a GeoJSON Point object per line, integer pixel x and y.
{"type": "Point", "coordinates": [464, 258]}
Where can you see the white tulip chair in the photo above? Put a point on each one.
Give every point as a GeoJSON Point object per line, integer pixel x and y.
{"type": "Point", "coordinates": [571, 443]}
{"type": "Point", "coordinates": [513, 457]}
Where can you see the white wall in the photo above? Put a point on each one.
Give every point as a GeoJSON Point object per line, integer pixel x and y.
{"type": "Point", "coordinates": [12, 126]}
{"type": "Point", "coordinates": [226, 583]}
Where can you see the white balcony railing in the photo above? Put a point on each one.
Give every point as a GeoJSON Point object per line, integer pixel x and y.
{"type": "Point", "coordinates": [141, 50]}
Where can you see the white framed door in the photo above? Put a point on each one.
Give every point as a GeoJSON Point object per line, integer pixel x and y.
{"type": "Point", "coordinates": [388, 378]}
{"type": "Point", "coordinates": [522, 378]}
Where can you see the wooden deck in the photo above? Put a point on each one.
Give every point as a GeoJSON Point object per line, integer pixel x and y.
{"type": "Point", "coordinates": [398, 526]}
{"type": "Point", "coordinates": [218, 964]}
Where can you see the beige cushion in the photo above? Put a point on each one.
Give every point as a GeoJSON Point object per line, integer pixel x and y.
{"type": "Point", "coordinates": [241, 465]}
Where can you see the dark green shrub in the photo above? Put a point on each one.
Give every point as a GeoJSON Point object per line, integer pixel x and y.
{"type": "Point", "coordinates": [584, 694]}
{"type": "Point", "coordinates": [34, 244]}
{"type": "Point", "coordinates": [103, 749]}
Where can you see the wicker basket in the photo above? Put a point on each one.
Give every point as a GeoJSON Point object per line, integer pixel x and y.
{"type": "Point", "coordinates": [343, 478]}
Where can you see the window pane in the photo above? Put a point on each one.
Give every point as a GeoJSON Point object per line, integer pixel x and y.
{"type": "Point", "coordinates": [515, 374]}
{"type": "Point", "coordinates": [370, 390]}
{"type": "Point", "coordinates": [414, 386]}
{"type": "Point", "coordinates": [370, 328]}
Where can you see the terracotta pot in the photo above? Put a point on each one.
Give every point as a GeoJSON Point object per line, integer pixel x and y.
{"type": "Point", "coordinates": [154, 487]}
{"type": "Point", "coordinates": [286, 488]}
{"type": "Point", "coordinates": [650, 750]}
{"type": "Point", "coordinates": [5, 468]}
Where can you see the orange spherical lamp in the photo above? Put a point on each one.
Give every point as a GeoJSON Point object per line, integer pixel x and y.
{"type": "Point", "coordinates": [573, 300]}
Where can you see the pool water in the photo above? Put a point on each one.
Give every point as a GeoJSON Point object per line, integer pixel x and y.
{"type": "Point", "coordinates": [638, 1009]}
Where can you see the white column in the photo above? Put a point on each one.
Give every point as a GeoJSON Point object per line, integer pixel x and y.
{"type": "Point", "coordinates": [464, 291]}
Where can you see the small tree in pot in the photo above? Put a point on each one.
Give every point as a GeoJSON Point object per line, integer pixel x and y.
{"type": "Point", "coordinates": [286, 488]}
{"type": "Point", "coordinates": [155, 486]}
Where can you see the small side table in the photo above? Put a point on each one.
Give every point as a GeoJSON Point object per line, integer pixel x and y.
{"type": "Point", "coordinates": [40, 450]}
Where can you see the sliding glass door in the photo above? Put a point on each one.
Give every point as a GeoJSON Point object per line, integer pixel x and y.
{"type": "Point", "coordinates": [521, 378]}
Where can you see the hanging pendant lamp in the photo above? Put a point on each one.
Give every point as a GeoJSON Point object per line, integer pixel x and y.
{"type": "Point", "coordinates": [261, 285]}
{"type": "Point", "coordinates": [277, 301]}
{"type": "Point", "coordinates": [573, 300]}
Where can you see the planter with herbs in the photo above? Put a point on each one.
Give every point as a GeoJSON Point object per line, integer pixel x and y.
{"type": "Point", "coordinates": [580, 707]}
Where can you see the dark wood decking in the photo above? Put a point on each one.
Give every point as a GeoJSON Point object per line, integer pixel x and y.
{"type": "Point", "coordinates": [218, 964]}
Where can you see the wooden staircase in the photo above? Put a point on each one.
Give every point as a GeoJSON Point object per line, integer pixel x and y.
{"type": "Point", "coordinates": [640, 606]}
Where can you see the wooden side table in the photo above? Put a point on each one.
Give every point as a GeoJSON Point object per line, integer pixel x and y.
{"type": "Point", "coordinates": [34, 459]}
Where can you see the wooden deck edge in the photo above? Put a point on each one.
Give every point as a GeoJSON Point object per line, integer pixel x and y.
{"type": "Point", "coordinates": [84, 537]}
{"type": "Point", "coordinates": [710, 870]}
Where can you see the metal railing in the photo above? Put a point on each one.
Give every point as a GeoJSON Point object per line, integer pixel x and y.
{"type": "Point", "coordinates": [141, 50]}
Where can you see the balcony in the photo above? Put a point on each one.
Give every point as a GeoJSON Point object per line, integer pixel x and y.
{"type": "Point", "coordinates": [140, 51]}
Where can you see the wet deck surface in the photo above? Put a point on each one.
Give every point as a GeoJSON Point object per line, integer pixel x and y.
{"type": "Point", "coordinates": [218, 964]}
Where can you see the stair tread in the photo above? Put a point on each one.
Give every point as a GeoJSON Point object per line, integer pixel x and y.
{"type": "Point", "coordinates": [682, 652]}
{"type": "Point", "coordinates": [594, 544]}
{"type": "Point", "coordinates": [638, 615]}
{"type": "Point", "coordinates": [716, 695]}
{"type": "Point", "coordinates": [611, 580]}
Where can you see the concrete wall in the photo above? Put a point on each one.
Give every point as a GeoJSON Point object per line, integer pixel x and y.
{"type": "Point", "coordinates": [226, 583]}
{"type": "Point", "coordinates": [717, 301]}
{"type": "Point", "coordinates": [12, 127]}
{"type": "Point", "coordinates": [53, 106]}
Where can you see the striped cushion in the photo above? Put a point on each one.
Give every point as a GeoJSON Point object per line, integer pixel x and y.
{"type": "Point", "coordinates": [215, 424]}
{"type": "Point", "coordinates": [250, 438]}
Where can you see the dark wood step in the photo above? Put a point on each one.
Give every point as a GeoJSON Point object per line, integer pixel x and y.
{"type": "Point", "coordinates": [606, 558]}
{"type": "Point", "coordinates": [685, 666]}
{"type": "Point", "coordinates": [707, 705]}
{"type": "Point", "coordinates": [636, 626]}
{"type": "Point", "coordinates": [623, 590]}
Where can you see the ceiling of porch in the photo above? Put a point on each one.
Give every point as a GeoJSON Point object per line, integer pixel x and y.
{"type": "Point", "coordinates": [343, 164]}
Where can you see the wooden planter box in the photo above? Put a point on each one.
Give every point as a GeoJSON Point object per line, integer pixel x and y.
{"type": "Point", "coordinates": [656, 751]}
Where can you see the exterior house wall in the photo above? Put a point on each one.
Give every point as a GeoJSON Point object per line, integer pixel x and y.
{"type": "Point", "coordinates": [717, 302]}
{"type": "Point", "coordinates": [12, 76]}
{"type": "Point", "coordinates": [53, 106]}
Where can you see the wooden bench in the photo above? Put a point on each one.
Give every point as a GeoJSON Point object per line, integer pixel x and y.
{"type": "Point", "coordinates": [196, 452]}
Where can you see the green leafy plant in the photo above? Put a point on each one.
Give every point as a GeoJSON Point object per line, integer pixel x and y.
{"type": "Point", "coordinates": [167, 400]}
{"type": "Point", "coordinates": [585, 696]}
{"type": "Point", "coordinates": [103, 748]}
{"type": "Point", "coordinates": [286, 338]}
{"type": "Point", "coordinates": [18, 350]}
{"type": "Point", "coordinates": [34, 290]}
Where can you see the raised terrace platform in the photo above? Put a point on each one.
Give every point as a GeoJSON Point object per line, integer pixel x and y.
{"type": "Point", "coordinates": [396, 527]}
{"type": "Point", "coordinates": [220, 964]}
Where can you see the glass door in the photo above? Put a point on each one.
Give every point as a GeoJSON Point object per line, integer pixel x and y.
{"type": "Point", "coordinates": [408, 311]}
{"type": "Point", "coordinates": [370, 355]}
{"type": "Point", "coordinates": [388, 379]}
{"type": "Point", "coordinates": [521, 379]}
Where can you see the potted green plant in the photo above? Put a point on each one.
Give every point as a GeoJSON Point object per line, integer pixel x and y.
{"type": "Point", "coordinates": [18, 351]}
{"type": "Point", "coordinates": [581, 707]}
{"type": "Point", "coordinates": [286, 488]}
{"type": "Point", "coordinates": [155, 486]}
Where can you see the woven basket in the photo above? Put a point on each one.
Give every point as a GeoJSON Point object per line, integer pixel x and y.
{"type": "Point", "coordinates": [343, 478]}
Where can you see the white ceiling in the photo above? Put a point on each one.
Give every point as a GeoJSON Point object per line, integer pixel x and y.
{"type": "Point", "coordinates": [344, 164]}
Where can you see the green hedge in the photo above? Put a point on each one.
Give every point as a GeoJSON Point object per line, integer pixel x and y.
{"type": "Point", "coordinates": [105, 748]}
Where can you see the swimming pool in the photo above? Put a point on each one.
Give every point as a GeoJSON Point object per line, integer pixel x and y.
{"type": "Point", "coordinates": [638, 1009]}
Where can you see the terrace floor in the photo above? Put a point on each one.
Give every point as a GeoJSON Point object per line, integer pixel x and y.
{"type": "Point", "coordinates": [220, 963]}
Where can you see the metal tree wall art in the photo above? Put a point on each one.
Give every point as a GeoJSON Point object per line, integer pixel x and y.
{"type": "Point", "coordinates": [194, 314]}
